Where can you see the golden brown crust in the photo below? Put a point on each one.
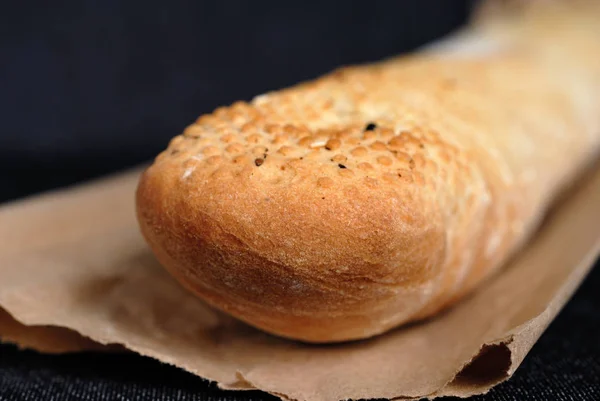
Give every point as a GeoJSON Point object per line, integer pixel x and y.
{"type": "Point", "coordinates": [373, 196]}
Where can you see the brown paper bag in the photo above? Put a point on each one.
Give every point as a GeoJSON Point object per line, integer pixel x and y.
{"type": "Point", "coordinates": [74, 259]}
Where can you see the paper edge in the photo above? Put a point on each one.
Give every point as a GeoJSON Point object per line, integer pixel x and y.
{"type": "Point", "coordinates": [521, 338]}
{"type": "Point", "coordinates": [58, 340]}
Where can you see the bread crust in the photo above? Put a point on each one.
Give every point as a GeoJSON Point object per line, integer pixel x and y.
{"type": "Point", "coordinates": [373, 196]}
{"type": "Point", "coordinates": [292, 259]}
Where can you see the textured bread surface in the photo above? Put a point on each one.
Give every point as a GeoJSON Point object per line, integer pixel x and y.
{"type": "Point", "coordinates": [379, 194]}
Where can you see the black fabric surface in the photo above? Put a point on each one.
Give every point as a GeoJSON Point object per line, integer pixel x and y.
{"type": "Point", "coordinates": [91, 87]}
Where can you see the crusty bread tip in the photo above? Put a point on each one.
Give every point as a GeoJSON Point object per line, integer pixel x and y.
{"type": "Point", "coordinates": [380, 194]}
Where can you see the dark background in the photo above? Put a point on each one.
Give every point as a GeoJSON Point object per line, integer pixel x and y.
{"type": "Point", "coordinates": [91, 87]}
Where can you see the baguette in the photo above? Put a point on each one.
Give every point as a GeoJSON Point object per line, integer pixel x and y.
{"type": "Point", "coordinates": [379, 194]}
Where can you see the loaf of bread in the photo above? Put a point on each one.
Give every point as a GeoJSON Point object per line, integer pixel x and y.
{"type": "Point", "coordinates": [380, 194]}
